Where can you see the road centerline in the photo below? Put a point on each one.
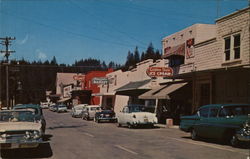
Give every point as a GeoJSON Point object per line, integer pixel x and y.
{"type": "Point", "coordinates": [88, 134]}
{"type": "Point", "coordinates": [125, 149]}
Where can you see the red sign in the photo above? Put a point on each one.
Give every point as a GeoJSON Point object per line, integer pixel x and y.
{"type": "Point", "coordinates": [159, 72]}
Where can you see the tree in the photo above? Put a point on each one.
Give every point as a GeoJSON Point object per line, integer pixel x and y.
{"type": "Point", "coordinates": [53, 61]}
{"type": "Point", "coordinates": [136, 56]}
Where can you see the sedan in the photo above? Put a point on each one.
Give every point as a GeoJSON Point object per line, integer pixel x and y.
{"type": "Point", "coordinates": [105, 115]}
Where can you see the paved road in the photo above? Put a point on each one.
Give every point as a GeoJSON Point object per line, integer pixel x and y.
{"type": "Point", "coordinates": [74, 138]}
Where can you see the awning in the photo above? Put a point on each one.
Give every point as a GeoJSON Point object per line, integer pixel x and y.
{"type": "Point", "coordinates": [63, 100]}
{"type": "Point", "coordinates": [150, 94]}
{"type": "Point", "coordinates": [175, 50]}
{"type": "Point", "coordinates": [164, 93]}
{"type": "Point", "coordinates": [133, 88]}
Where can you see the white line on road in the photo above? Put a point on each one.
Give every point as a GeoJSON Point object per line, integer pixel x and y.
{"type": "Point", "coordinates": [125, 149]}
{"type": "Point", "coordinates": [207, 145]}
{"type": "Point", "coordinates": [88, 134]}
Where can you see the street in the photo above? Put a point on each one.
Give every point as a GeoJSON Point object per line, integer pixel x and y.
{"type": "Point", "coordinates": [74, 138]}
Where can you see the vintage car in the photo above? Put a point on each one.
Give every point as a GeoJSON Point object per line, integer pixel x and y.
{"type": "Point", "coordinates": [105, 115]}
{"type": "Point", "coordinates": [226, 122]}
{"type": "Point", "coordinates": [88, 112]}
{"type": "Point", "coordinates": [135, 115]}
{"type": "Point", "coordinates": [61, 108]}
{"type": "Point", "coordinates": [77, 110]}
{"type": "Point", "coordinates": [38, 113]}
{"type": "Point", "coordinates": [19, 129]}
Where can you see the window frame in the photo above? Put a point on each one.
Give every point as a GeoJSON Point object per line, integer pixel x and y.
{"type": "Point", "coordinates": [229, 54]}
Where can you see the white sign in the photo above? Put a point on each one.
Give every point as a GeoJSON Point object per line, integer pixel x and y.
{"type": "Point", "coordinates": [99, 80]}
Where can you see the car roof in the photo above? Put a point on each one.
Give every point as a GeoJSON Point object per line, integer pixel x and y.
{"type": "Point", "coordinates": [26, 106]}
{"type": "Point", "coordinates": [223, 105]}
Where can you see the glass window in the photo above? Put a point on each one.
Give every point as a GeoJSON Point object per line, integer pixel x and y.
{"type": "Point", "coordinates": [213, 112]}
{"type": "Point", "coordinates": [227, 48]}
{"type": "Point", "coordinates": [204, 112]}
{"type": "Point", "coordinates": [237, 46]}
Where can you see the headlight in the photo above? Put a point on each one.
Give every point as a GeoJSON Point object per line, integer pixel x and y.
{"type": "Point", "coordinates": [32, 135]}
{"type": "Point", "coordinates": [246, 129]}
{"type": "Point", "coordinates": [4, 136]}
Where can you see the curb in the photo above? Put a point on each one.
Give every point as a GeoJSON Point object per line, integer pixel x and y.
{"type": "Point", "coordinates": [165, 126]}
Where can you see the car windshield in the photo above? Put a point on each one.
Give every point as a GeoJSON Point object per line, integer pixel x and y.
{"type": "Point", "coordinates": [139, 109]}
{"type": "Point", "coordinates": [62, 106]}
{"type": "Point", "coordinates": [235, 110]}
{"type": "Point", "coordinates": [17, 116]}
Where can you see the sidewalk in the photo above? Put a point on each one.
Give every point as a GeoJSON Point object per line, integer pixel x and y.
{"type": "Point", "coordinates": [165, 126]}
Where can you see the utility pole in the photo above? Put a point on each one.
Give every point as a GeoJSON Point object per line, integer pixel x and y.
{"type": "Point", "coordinates": [7, 42]}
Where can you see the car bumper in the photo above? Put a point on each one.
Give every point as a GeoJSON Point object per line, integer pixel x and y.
{"type": "Point", "coordinates": [11, 144]}
{"type": "Point", "coordinates": [107, 119]}
{"type": "Point", "coordinates": [243, 138]}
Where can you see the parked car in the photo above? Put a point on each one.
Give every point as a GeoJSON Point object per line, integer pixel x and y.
{"type": "Point", "coordinates": [105, 115]}
{"type": "Point", "coordinates": [19, 129]}
{"type": "Point", "coordinates": [89, 111]}
{"type": "Point", "coordinates": [53, 107]}
{"type": "Point", "coordinates": [38, 113]}
{"type": "Point", "coordinates": [61, 108]}
{"type": "Point", "coordinates": [226, 122]}
{"type": "Point", "coordinates": [135, 115]}
{"type": "Point", "coordinates": [77, 110]}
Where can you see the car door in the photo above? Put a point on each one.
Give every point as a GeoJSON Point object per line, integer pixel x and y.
{"type": "Point", "coordinates": [201, 124]}
{"type": "Point", "coordinates": [211, 128]}
{"type": "Point", "coordinates": [122, 114]}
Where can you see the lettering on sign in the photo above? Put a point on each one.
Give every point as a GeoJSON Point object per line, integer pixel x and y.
{"type": "Point", "coordinates": [159, 72]}
{"type": "Point", "coordinates": [101, 80]}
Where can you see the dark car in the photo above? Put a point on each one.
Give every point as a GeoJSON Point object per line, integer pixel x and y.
{"type": "Point", "coordinates": [226, 122]}
{"type": "Point", "coordinates": [38, 113]}
{"type": "Point", "coordinates": [105, 115]}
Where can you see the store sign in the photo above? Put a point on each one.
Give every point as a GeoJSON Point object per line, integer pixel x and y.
{"type": "Point", "coordinates": [159, 72]}
{"type": "Point", "coordinates": [99, 80]}
{"type": "Point", "coordinates": [79, 77]}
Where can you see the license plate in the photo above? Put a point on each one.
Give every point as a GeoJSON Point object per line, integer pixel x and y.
{"type": "Point", "coordinates": [14, 145]}
{"type": "Point", "coordinates": [145, 119]}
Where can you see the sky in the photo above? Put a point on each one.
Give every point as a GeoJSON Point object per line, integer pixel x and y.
{"type": "Point", "coordinates": [105, 30]}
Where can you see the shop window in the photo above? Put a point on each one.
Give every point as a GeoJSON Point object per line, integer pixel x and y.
{"type": "Point", "coordinates": [237, 46]}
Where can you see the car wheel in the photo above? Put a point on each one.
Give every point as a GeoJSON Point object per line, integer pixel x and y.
{"type": "Point", "coordinates": [118, 124]}
{"type": "Point", "coordinates": [234, 141]}
{"type": "Point", "coordinates": [130, 126]}
{"type": "Point", "coordinates": [194, 134]}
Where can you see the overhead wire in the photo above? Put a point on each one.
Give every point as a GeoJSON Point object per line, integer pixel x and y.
{"type": "Point", "coordinates": [67, 31]}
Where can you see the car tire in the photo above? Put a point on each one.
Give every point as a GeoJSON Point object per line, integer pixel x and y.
{"type": "Point", "coordinates": [194, 134]}
{"type": "Point", "coordinates": [118, 124]}
{"type": "Point", "coordinates": [130, 126]}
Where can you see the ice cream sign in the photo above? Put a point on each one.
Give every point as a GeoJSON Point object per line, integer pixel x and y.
{"type": "Point", "coordinates": [159, 72]}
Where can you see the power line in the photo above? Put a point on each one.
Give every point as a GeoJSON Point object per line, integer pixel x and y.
{"type": "Point", "coordinates": [104, 22]}
{"type": "Point", "coordinates": [71, 32]}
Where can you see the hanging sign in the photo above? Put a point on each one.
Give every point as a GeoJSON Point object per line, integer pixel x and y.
{"type": "Point", "coordinates": [159, 72]}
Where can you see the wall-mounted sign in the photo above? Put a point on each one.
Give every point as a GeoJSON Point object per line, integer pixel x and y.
{"type": "Point", "coordinates": [79, 77]}
{"type": "Point", "coordinates": [99, 80]}
{"type": "Point", "coordinates": [159, 72]}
